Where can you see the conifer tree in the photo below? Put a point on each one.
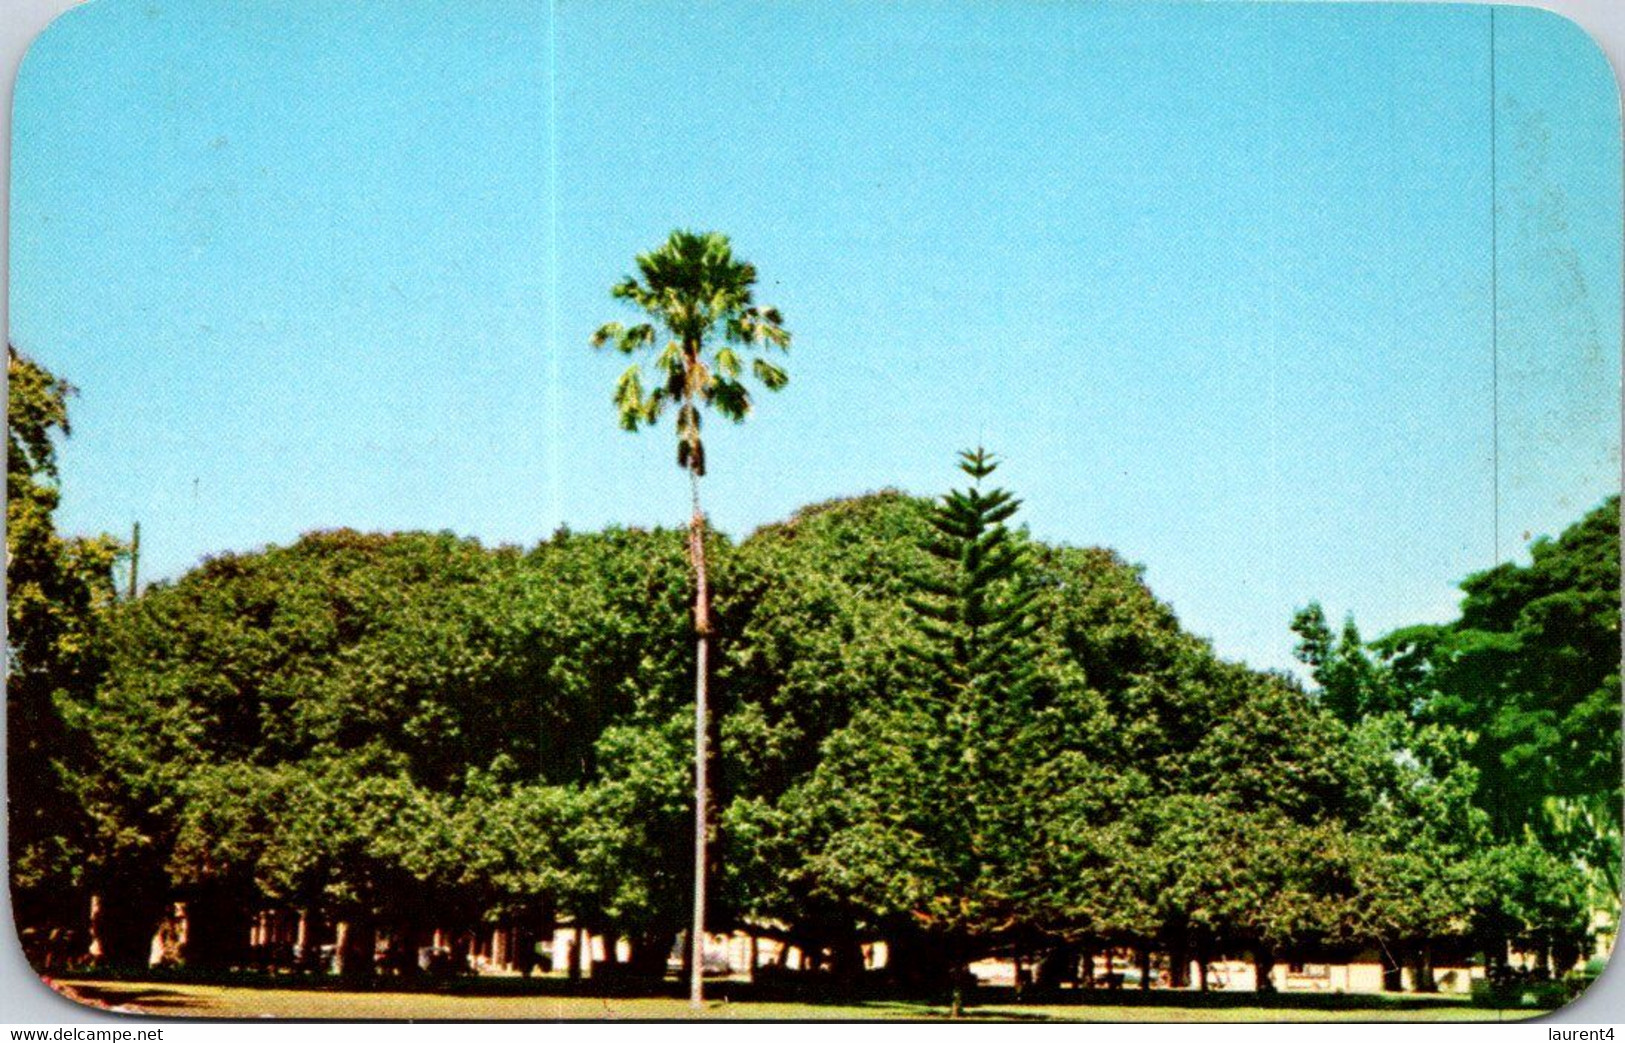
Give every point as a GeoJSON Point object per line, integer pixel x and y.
{"type": "Point", "coordinates": [975, 610]}
{"type": "Point", "coordinates": [975, 615]}
{"type": "Point", "coordinates": [927, 791]}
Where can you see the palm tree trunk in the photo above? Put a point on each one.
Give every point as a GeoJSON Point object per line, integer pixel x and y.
{"type": "Point", "coordinates": [702, 631]}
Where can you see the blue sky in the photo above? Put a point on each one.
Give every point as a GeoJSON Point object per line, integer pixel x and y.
{"type": "Point", "coordinates": [1215, 280]}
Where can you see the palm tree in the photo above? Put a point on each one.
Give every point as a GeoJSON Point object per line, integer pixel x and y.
{"type": "Point", "coordinates": [697, 296]}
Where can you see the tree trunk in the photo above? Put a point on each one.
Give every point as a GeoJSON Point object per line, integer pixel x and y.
{"type": "Point", "coordinates": [170, 941]}
{"type": "Point", "coordinates": [302, 942]}
{"type": "Point", "coordinates": [650, 951]}
{"type": "Point", "coordinates": [1422, 969]}
{"type": "Point", "coordinates": [916, 961]}
{"type": "Point", "coordinates": [1392, 977]}
{"type": "Point", "coordinates": [315, 930]}
{"type": "Point", "coordinates": [524, 948]}
{"type": "Point", "coordinates": [95, 946]}
{"type": "Point", "coordinates": [846, 960]}
{"type": "Point", "coordinates": [501, 957]}
{"type": "Point", "coordinates": [217, 929]}
{"type": "Point", "coordinates": [702, 632]}
{"type": "Point", "coordinates": [122, 923]}
{"type": "Point", "coordinates": [1058, 965]}
{"type": "Point", "coordinates": [1145, 967]}
{"type": "Point", "coordinates": [1496, 953]}
{"type": "Point", "coordinates": [404, 941]}
{"type": "Point", "coordinates": [354, 949]}
{"type": "Point", "coordinates": [1179, 964]}
{"type": "Point", "coordinates": [1263, 968]}
{"type": "Point", "coordinates": [1565, 955]}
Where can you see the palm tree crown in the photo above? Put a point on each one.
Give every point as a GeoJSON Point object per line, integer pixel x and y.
{"type": "Point", "coordinates": [694, 290]}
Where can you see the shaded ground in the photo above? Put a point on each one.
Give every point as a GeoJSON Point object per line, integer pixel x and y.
{"type": "Point", "coordinates": [550, 1001]}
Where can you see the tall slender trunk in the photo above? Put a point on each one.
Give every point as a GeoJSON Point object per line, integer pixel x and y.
{"type": "Point", "coordinates": [702, 632]}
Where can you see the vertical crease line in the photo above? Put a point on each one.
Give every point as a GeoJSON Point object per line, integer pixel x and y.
{"type": "Point", "coordinates": [1274, 356]}
{"type": "Point", "coordinates": [555, 507]}
{"type": "Point", "coordinates": [1495, 316]}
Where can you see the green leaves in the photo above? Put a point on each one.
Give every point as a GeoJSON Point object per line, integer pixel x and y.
{"type": "Point", "coordinates": [701, 295]}
{"type": "Point", "coordinates": [374, 723]}
{"type": "Point", "coordinates": [933, 730]}
{"type": "Point", "coordinates": [635, 408]}
{"type": "Point", "coordinates": [58, 590]}
{"type": "Point", "coordinates": [977, 609]}
{"type": "Point", "coordinates": [914, 808]}
{"type": "Point", "coordinates": [1502, 726]}
{"type": "Point", "coordinates": [772, 377]}
{"type": "Point", "coordinates": [628, 339]}
{"type": "Point", "coordinates": [1532, 672]}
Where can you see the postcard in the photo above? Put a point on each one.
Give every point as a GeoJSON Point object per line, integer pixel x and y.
{"type": "Point", "coordinates": [660, 510]}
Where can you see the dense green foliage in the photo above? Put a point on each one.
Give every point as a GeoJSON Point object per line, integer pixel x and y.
{"type": "Point", "coordinates": [932, 730]}
{"type": "Point", "coordinates": [413, 731]}
{"type": "Point", "coordinates": [1530, 673]}
{"type": "Point", "coordinates": [1512, 715]}
{"type": "Point", "coordinates": [55, 588]}
{"type": "Point", "coordinates": [909, 814]}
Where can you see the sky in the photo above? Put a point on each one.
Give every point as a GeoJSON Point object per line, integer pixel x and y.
{"type": "Point", "coordinates": [1281, 302]}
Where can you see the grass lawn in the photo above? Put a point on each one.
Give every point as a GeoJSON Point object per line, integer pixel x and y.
{"type": "Point", "coordinates": [185, 1000]}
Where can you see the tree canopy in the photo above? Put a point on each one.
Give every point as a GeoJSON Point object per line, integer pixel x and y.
{"type": "Point", "coordinates": [56, 589]}
{"type": "Point", "coordinates": [1513, 711]}
{"type": "Point", "coordinates": [934, 730]}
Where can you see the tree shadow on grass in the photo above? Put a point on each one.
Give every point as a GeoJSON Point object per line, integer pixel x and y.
{"type": "Point", "coordinates": [116, 997]}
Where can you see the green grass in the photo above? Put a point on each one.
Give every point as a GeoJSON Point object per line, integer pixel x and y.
{"type": "Point", "coordinates": [171, 999]}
